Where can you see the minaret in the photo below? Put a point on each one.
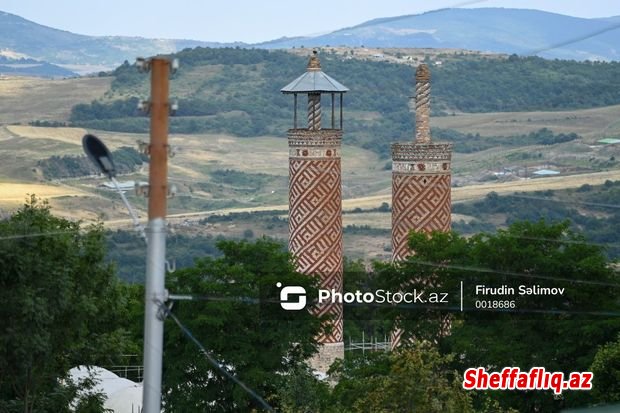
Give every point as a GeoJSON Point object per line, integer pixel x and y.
{"type": "Point", "coordinates": [420, 180]}
{"type": "Point", "coordinates": [420, 176]}
{"type": "Point", "coordinates": [315, 199]}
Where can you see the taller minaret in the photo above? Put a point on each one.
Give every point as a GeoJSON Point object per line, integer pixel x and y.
{"type": "Point", "coordinates": [421, 175]}
{"type": "Point", "coordinates": [315, 199]}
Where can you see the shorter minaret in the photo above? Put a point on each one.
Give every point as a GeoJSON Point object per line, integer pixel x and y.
{"type": "Point", "coordinates": [420, 177]}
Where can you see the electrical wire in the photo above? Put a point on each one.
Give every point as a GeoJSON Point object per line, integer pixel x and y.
{"type": "Point", "coordinates": [249, 300]}
{"type": "Point", "coordinates": [574, 40]}
{"type": "Point", "coordinates": [38, 234]}
{"type": "Point", "coordinates": [533, 197]}
{"type": "Point", "coordinates": [515, 274]}
{"type": "Point", "coordinates": [213, 361]}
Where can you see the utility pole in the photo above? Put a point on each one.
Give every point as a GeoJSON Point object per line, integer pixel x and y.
{"type": "Point", "coordinates": [155, 294]}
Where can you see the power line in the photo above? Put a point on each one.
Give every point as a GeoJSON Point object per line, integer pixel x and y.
{"type": "Point", "coordinates": [560, 241]}
{"type": "Point", "coordinates": [532, 197]}
{"type": "Point", "coordinates": [212, 360]}
{"type": "Point", "coordinates": [515, 274]}
{"type": "Point", "coordinates": [575, 40]}
{"type": "Point", "coordinates": [38, 234]}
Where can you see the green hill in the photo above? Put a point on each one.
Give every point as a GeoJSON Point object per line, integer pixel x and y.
{"type": "Point", "coordinates": [237, 91]}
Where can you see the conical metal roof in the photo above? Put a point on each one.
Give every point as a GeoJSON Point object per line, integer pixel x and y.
{"type": "Point", "coordinates": [314, 80]}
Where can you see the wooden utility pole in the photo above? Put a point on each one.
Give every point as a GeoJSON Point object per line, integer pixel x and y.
{"type": "Point", "coordinates": [155, 294]}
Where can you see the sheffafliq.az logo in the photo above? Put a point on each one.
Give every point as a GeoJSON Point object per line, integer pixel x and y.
{"type": "Point", "coordinates": [295, 291]}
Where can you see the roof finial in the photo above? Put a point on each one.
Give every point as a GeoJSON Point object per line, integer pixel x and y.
{"type": "Point", "coordinates": [423, 73]}
{"type": "Point", "coordinates": [314, 64]}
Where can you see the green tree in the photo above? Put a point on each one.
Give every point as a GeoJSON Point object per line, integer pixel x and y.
{"type": "Point", "coordinates": [61, 307]}
{"type": "Point", "coordinates": [259, 343]}
{"type": "Point", "coordinates": [606, 369]}
{"type": "Point", "coordinates": [301, 392]}
{"type": "Point", "coordinates": [556, 332]}
{"type": "Point", "coordinates": [416, 379]}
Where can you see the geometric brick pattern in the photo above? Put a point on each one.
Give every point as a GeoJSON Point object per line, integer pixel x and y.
{"type": "Point", "coordinates": [315, 221]}
{"type": "Point", "coordinates": [421, 186]}
{"type": "Point", "coordinates": [421, 203]}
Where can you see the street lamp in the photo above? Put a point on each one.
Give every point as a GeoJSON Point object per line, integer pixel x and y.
{"type": "Point", "coordinates": [100, 155]}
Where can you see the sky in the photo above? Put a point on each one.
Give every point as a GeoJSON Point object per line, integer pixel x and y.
{"type": "Point", "coordinates": [252, 21]}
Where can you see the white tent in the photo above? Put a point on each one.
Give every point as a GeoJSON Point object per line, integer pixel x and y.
{"type": "Point", "coordinates": [122, 395]}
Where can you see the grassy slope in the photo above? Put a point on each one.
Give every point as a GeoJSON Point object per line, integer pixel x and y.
{"type": "Point", "coordinates": [366, 181]}
{"type": "Point", "coordinates": [24, 99]}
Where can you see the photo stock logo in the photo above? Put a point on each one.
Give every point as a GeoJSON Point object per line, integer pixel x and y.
{"type": "Point", "coordinates": [292, 297]}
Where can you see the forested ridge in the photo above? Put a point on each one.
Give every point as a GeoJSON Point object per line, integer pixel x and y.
{"type": "Point", "coordinates": [237, 91]}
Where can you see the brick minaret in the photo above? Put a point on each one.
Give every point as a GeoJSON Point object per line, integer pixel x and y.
{"type": "Point", "coordinates": [420, 177]}
{"type": "Point", "coordinates": [420, 180]}
{"type": "Point", "coordinates": [315, 199]}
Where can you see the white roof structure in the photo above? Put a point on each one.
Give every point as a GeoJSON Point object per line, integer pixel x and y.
{"type": "Point", "coordinates": [546, 172]}
{"type": "Point", "coordinates": [122, 395]}
{"type": "Point", "coordinates": [126, 186]}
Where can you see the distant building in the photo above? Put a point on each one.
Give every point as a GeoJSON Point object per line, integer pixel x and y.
{"type": "Point", "coordinates": [546, 172]}
{"type": "Point", "coordinates": [609, 141]}
{"type": "Point", "coordinates": [124, 186]}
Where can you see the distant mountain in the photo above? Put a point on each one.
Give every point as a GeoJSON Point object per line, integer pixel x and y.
{"type": "Point", "coordinates": [26, 38]}
{"type": "Point", "coordinates": [38, 69]}
{"type": "Point", "coordinates": [486, 29]}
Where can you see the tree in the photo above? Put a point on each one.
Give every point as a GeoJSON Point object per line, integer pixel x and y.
{"type": "Point", "coordinates": [417, 379]}
{"type": "Point", "coordinates": [61, 307]}
{"type": "Point", "coordinates": [301, 392]}
{"type": "Point", "coordinates": [257, 341]}
{"type": "Point", "coordinates": [554, 331]}
{"type": "Point", "coordinates": [606, 369]}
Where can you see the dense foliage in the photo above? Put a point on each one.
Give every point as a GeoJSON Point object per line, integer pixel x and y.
{"type": "Point", "coordinates": [259, 343]}
{"type": "Point", "coordinates": [62, 307]}
{"type": "Point", "coordinates": [127, 251]}
{"type": "Point", "coordinates": [417, 379]}
{"type": "Point", "coordinates": [558, 332]}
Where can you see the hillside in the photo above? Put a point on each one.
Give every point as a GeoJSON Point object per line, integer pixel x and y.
{"type": "Point", "coordinates": [524, 32]}
{"type": "Point", "coordinates": [31, 67]}
{"type": "Point", "coordinates": [237, 91]}
{"type": "Point", "coordinates": [551, 116]}
{"type": "Point", "coordinates": [26, 99]}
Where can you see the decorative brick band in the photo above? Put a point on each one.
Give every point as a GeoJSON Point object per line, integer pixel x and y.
{"type": "Point", "coordinates": [410, 152]}
{"type": "Point", "coordinates": [421, 167]}
{"type": "Point", "coordinates": [324, 138]}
